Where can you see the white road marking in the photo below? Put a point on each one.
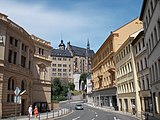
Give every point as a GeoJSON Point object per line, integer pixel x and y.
{"type": "Point", "coordinates": [96, 115]}
{"type": "Point", "coordinates": [116, 118]}
{"type": "Point", "coordinates": [76, 118]}
{"type": "Point", "coordinates": [93, 118]}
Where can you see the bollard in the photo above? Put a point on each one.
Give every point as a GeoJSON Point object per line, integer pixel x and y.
{"type": "Point", "coordinates": [39, 117]}
{"type": "Point", "coordinates": [47, 114]}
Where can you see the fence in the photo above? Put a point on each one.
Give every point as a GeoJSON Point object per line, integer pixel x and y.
{"type": "Point", "coordinates": [44, 116]}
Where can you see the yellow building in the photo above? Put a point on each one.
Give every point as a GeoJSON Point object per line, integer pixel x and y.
{"type": "Point", "coordinates": [19, 61]}
{"type": "Point", "coordinates": [103, 65]}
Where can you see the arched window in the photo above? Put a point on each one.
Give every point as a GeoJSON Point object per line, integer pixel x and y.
{"type": "Point", "coordinates": [11, 87]}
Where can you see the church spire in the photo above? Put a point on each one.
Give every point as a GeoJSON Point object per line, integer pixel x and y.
{"type": "Point", "coordinates": [88, 45]}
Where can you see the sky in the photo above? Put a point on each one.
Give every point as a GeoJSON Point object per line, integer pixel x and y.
{"type": "Point", "coordinates": [71, 20]}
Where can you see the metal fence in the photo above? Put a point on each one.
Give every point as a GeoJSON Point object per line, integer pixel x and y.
{"type": "Point", "coordinates": [44, 116]}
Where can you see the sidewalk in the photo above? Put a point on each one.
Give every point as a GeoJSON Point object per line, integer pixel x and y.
{"type": "Point", "coordinates": [120, 112]}
{"type": "Point", "coordinates": [44, 116]}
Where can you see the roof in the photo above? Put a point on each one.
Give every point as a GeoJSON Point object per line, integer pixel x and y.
{"type": "Point", "coordinates": [60, 53]}
{"type": "Point", "coordinates": [142, 10]}
{"type": "Point", "coordinates": [78, 51]}
{"type": "Point", "coordinates": [137, 37]}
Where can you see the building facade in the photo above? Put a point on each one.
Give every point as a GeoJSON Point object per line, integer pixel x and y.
{"type": "Point", "coordinates": [141, 62]}
{"type": "Point", "coordinates": [41, 85]}
{"type": "Point", "coordinates": [103, 65]}
{"type": "Point", "coordinates": [17, 69]}
{"type": "Point", "coordinates": [150, 16]}
{"type": "Point", "coordinates": [62, 63]}
{"type": "Point", "coordinates": [126, 82]}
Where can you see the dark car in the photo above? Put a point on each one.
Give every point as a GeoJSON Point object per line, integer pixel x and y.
{"type": "Point", "coordinates": [79, 107]}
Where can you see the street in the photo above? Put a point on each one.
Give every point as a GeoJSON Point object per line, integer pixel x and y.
{"type": "Point", "coordinates": [90, 113]}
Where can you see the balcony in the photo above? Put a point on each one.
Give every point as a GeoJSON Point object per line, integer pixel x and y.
{"type": "Point", "coordinates": [111, 69]}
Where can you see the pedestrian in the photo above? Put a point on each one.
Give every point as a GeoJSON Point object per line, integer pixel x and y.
{"type": "Point", "coordinates": [30, 111]}
{"type": "Point", "coordinates": [35, 111]}
{"type": "Point", "coordinates": [133, 109]}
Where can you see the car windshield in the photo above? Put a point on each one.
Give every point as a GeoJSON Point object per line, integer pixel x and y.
{"type": "Point", "coordinates": [79, 105]}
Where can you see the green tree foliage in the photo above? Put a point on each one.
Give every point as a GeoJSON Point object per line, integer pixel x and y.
{"type": "Point", "coordinates": [71, 86]}
{"type": "Point", "coordinates": [59, 91]}
{"type": "Point", "coordinates": [83, 78]}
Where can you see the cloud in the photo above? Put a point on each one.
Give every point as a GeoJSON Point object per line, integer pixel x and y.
{"type": "Point", "coordinates": [75, 21]}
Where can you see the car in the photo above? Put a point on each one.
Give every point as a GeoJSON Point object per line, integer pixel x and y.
{"type": "Point", "coordinates": [79, 107]}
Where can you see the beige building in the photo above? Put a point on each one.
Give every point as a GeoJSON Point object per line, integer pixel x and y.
{"type": "Point", "coordinates": [103, 64]}
{"type": "Point", "coordinates": [17, 69]}
{"type": "Point", "coordinates": [126, 82]}
{"type": "Point", "coordinates": [150, 16]}
{"type": "Point", "coordinates": [41, 86]}
{"type": "Point", "coordinates": [62, 64]}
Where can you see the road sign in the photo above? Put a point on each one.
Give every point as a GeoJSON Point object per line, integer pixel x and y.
{"type": "Point", "coordinates": [17, 91]}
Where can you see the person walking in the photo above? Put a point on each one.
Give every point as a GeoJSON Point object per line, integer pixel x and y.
{"type": "Point", "coordinates": [30, 111]}
{"type": "Point", "coordinates": [133, 109]}
{"type": "Point", "coordinates": [35, 111]}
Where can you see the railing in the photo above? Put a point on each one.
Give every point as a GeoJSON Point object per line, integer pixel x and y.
{"type": "Point", "coordinates": [42, 116]}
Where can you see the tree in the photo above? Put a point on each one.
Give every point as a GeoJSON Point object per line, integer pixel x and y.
{"type": "Point", "coordinates": [56, 87]}
{"type": "Point", "coordinates": [83, 80]}
{"type": "Point", "coordinates": [71, 86]}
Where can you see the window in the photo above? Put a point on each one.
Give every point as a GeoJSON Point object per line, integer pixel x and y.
{"type": "Point", "coordinates": [59, 59]}
{"type": "Point", "coordinates": [59, 70]}
{"type": "Point", "coordinates": [10, 95]}
{"type": "Point", "coordinates": [59, 65]}
{"type": "Point", "coordinates": [10, 56]}
{"type": "Point", "coordinates": [53, 69]}
{"type": "Point", "coordinates": [22, 86]}
{"type": "Point", "coordinates": [29, 65]}
{"type": "Point", "coordinates": [153, 75]}
{"type": "Point", "coordinates": [11, 40]}
{"type": "Point", "coordinates": [54, 65]}
{"type": "Point", "coordinates": [42, 52]}
{"type": "Point", "coordinates": [143, 42]}
{"type": "Point", "coordinates": [155, 33]}
{"type": "Point", "coordinates": [158, 22]}
{"type": "Point", "coordinates": [22, 46]}
{"type": "Point", "coordinates": [59, 74]}
{"type": "Point", "coordinates": [14, 57]}
{"type": "Point", "coordinates": [136, 49]}
{"type": "Point", "coordinates": [23, 61]}
{"type": "Point", "coordinates": [151, 6]}
{"type": "Point", "coordinates": [152, 40]}
{"type": "Point", "coordinates": [156, 70]}
{"type": "Point", "coordinates": [147, 80]}
{"type": "Point", "coordinates": [145, 59]}
{"type": "Point", "coordinates": [143, 83]}
{"type": "Point", "coordinates": [139, 44]}
{"type": "Point", "coordinates": [64, 70]}
{"type": "Point", "coordinates": [16, 42]}
{"type": "Point", "coordinates": [138, 66]}
{"type": "Point", "coordinates": [54, 58]}
{"type": "Point", "coordinates": [64, 65]}
{"type": "Point", "coordinates": [65, 59]}
{"type": "Point", "coordinates": [141, 65]}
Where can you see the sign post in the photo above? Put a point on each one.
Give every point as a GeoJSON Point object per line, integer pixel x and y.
{"type": "Point", "coordinates": [17, 91]}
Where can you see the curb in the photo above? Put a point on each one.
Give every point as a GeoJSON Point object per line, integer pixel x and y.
{"type": "Point", "coordinates": [56, 118]}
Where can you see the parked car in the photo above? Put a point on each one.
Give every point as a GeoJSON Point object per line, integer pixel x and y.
{"type": "Point", "coordinates": [79, 107]}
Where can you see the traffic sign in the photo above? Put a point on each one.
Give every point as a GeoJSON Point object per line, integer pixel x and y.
{"type": "Point", "coordinates": [17, 91]}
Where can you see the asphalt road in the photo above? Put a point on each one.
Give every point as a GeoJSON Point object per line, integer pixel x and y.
{"type": "Point", "coordinates": [90, 113]}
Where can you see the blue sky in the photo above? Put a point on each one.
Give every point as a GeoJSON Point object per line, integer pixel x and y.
{"type": "Point", "coordinates": [74, 20]}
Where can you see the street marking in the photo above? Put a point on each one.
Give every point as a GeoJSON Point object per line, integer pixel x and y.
{"type": "Point", "coordinates": [116, 118]}
{"type": "Point", "coordinates": [76, 118]}
{"type": "Point", "coordinates": [96, 115]}
{"type": "Point", "coordinates": [93, 118]}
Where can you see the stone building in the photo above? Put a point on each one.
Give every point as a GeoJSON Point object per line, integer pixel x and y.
{"type": "Point", "coordinates": [68, 63]}
{"type": "Point", "coordinates": [62, 63]}
{"type": "Point", "coordinates": [17, 69]}
{"type": "Point", "coordinates": [150, 16]}
{"type": "Point", "coordinates": [103, 65]}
